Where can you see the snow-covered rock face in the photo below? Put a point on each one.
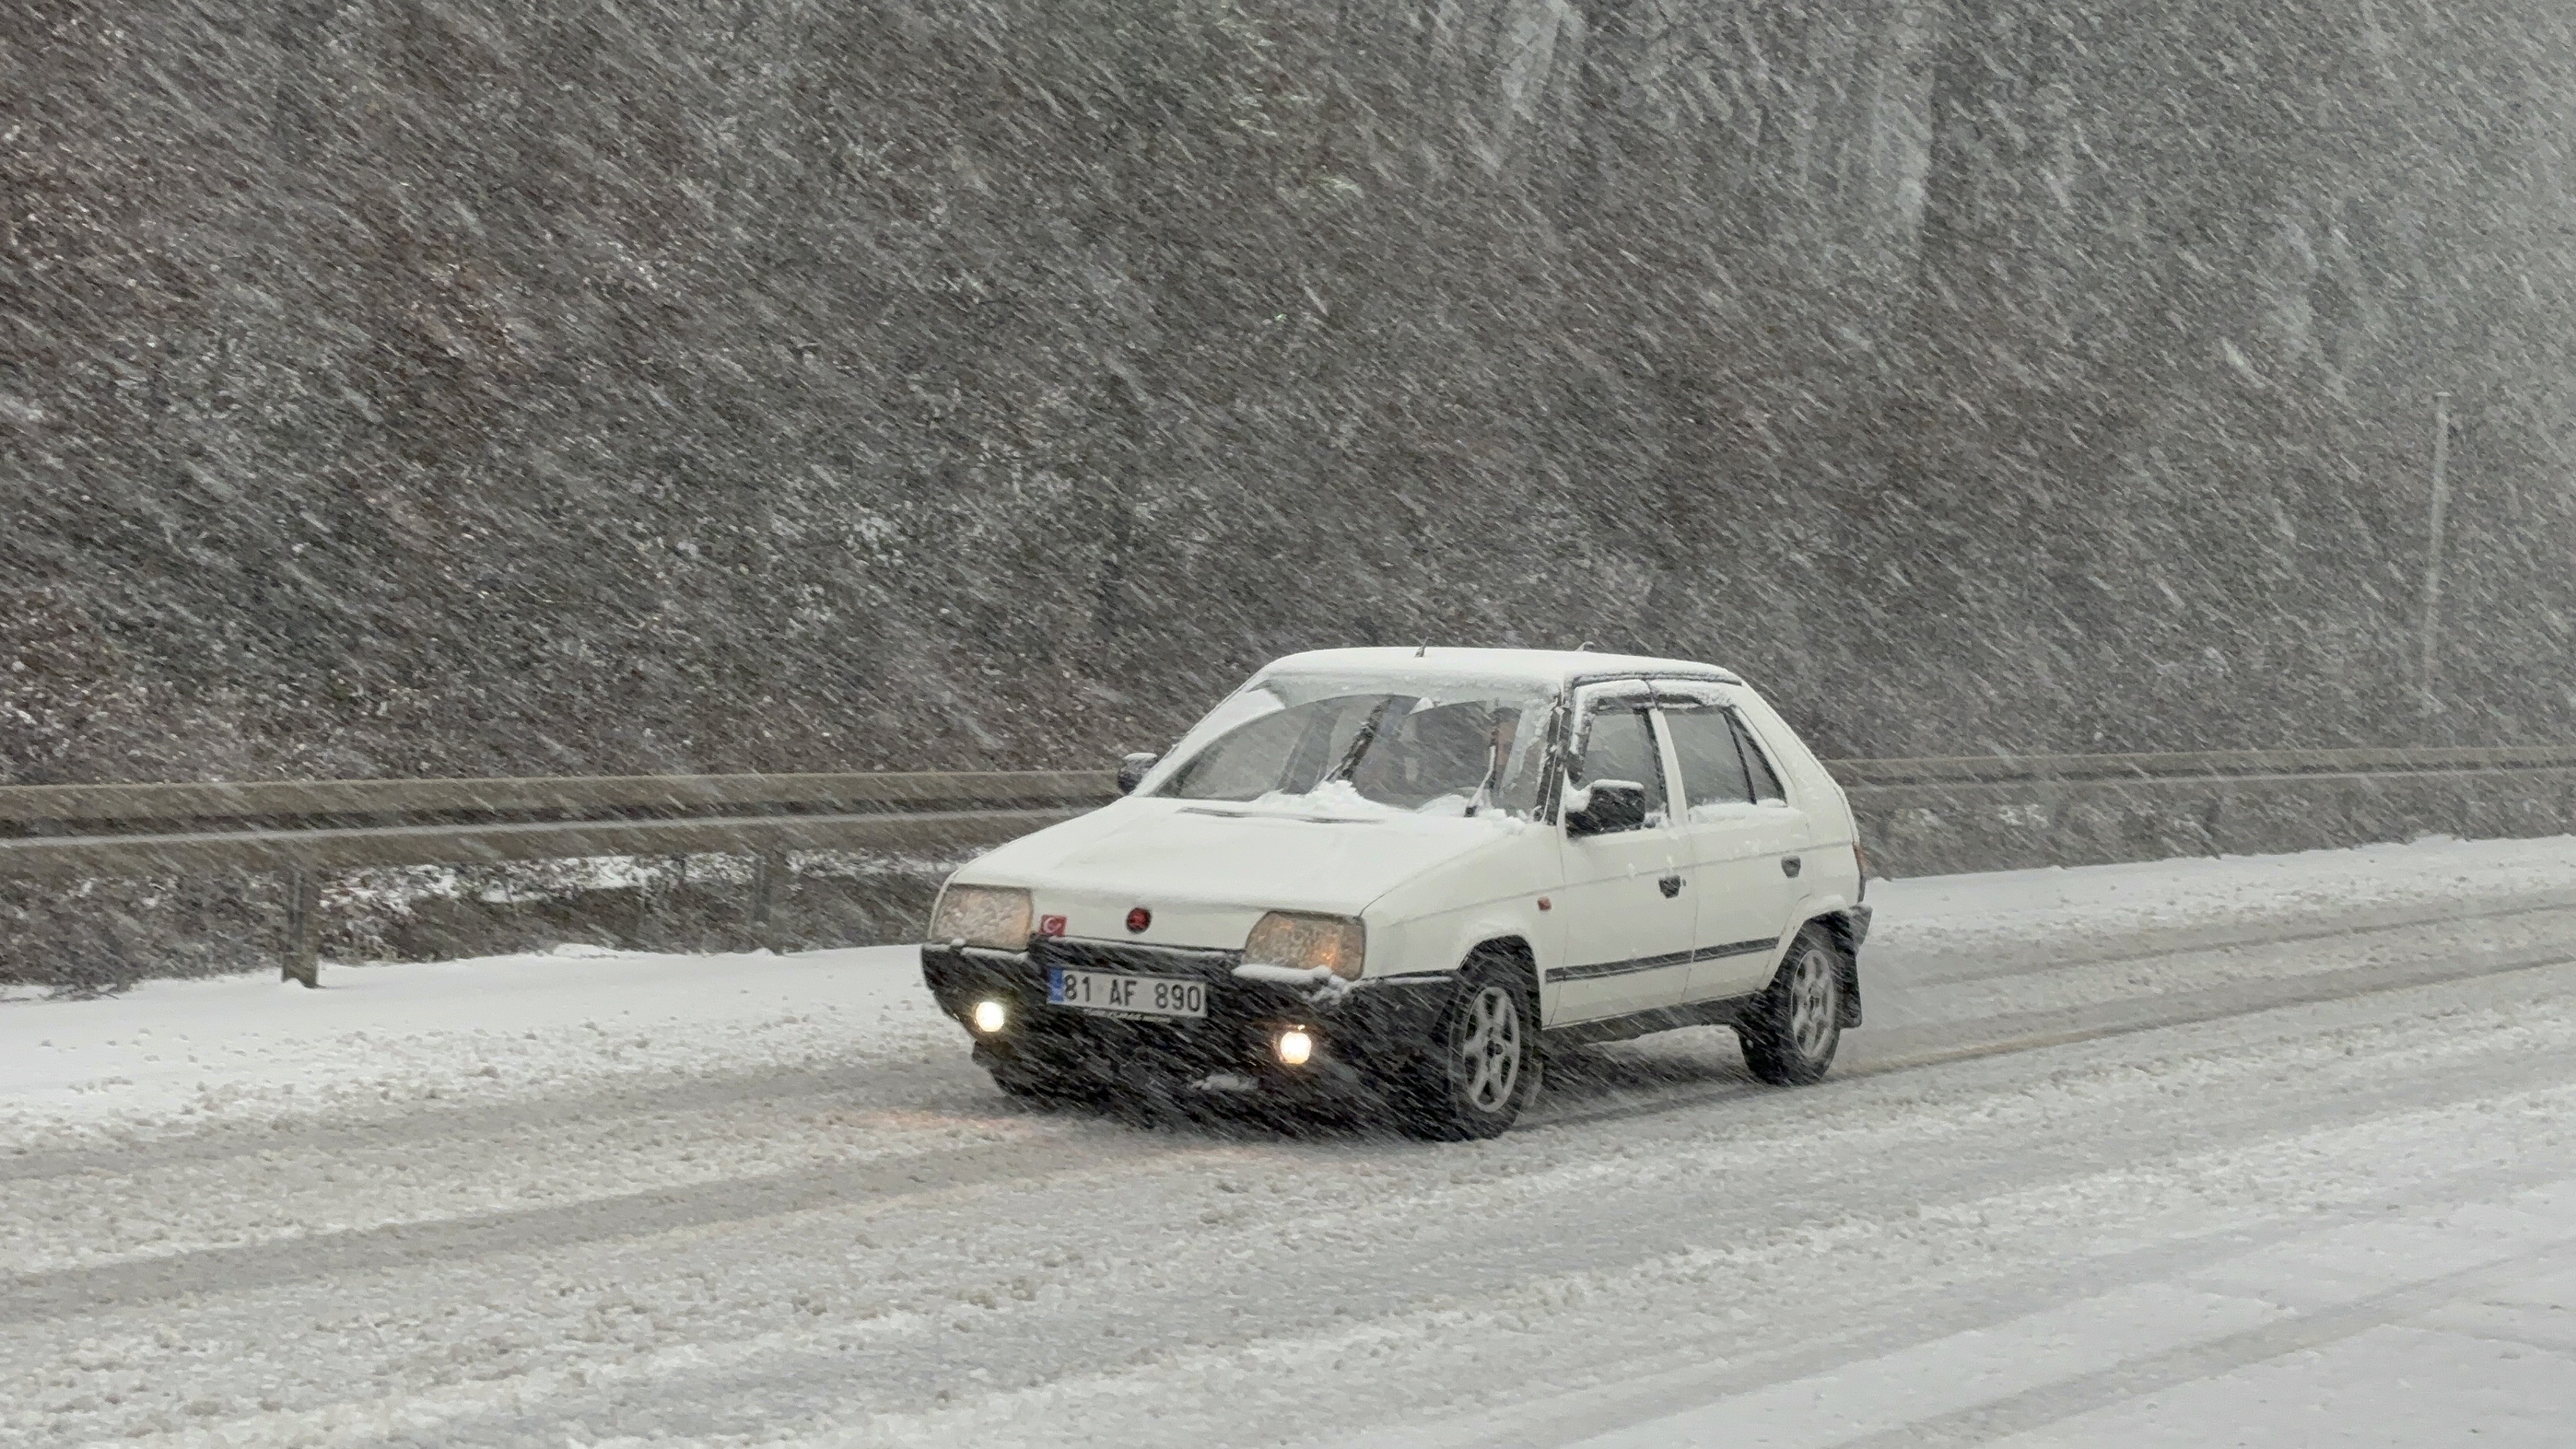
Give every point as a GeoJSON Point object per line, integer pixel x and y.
{"type": "Point", "coordinates": [487, 387]}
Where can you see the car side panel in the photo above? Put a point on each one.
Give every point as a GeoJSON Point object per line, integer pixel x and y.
{"type": "Point", "coordinates": [1814, 786]}
{"type": "Point", "coordinates": [1429, 924]}
{"type": "Point", "coordinates": [1829, 879]}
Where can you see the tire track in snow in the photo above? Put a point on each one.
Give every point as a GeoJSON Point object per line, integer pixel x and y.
{"type": "Point", "coordinates": [72, 1291]}
{"type": "Point", "coordinates": [2194, 940]}
{"type": "Point", "coordinates": [2038, 1408]}
{"type": "Point", "coordinates": [1899, 1050]}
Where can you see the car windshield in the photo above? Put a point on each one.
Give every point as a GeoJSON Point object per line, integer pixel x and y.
{"type": "Point", "coordinates": [1429, 747]}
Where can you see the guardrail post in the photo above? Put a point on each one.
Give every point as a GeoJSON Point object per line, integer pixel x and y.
{"type": "Point", "coordinates": [303, 929]}
{"type": "Point", "coordinates": [765, 871]}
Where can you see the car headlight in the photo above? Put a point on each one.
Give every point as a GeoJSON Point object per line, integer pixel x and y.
{"type": "Point", "coordinates": [1291, 938]}
{"type": "Point", "coordinates": [995, 916]}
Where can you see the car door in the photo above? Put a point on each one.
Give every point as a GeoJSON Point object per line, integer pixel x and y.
{"type": "Point", "coordinates": [1627, 910]}
{"type": "Point", "coordinates": [1743, 835]}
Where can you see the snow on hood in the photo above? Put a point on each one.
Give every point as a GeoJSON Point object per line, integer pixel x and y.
{"type": "Point", "coordinates": [1251, 855]}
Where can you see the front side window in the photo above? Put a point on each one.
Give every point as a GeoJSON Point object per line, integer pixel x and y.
{"type": "Point", "coordinates": [1430, 747]}
{"type": "Point", "coordinates": [1617, 743]}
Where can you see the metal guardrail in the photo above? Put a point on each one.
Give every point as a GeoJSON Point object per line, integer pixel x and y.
{"type": "Point", "coordinates": [1941, 815]}
{"type": "Point", "coordinates": [22, 804]}
{"type": "Point", "coordinates": [299, 829]}
{"type": "Point", "coordinates": [2023, 770]}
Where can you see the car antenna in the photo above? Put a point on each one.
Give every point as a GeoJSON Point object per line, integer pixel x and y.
{"type": "Point", "coordinates": [1418, 653]}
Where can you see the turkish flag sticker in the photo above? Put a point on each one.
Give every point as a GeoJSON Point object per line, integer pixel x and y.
{"type": "Point", "coordinates": [1138, 919]}
{"type": "Point", "coordinates": [1050, 925]}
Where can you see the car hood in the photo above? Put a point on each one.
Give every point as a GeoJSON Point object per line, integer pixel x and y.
{"type": "Point", "coordinates": [1207, 870]}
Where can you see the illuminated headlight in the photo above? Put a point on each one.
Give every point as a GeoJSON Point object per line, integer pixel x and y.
{"type": "Point", "coordinates": [1289, 938]}
{"type": "Point", "coordinates": [991, 1016]}
{"type": "Point", "coordinates": [1296, 1047]}
{"type": "Point", "coordinates": [994, 916]}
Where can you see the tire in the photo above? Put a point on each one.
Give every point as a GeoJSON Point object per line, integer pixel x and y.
{"type": "Point", "coordinates": [1791, 1034]}
{"type": "Point", "coordinates": [1481, 1066]}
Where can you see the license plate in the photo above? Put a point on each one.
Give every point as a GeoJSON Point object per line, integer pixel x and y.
{"type": "Point", "coordinates": [1118, 994]}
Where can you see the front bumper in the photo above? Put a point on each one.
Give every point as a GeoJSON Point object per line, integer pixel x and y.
{"type": "Point", "coordinates": [1363, 1030]}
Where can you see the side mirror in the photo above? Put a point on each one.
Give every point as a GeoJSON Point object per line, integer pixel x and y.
{"type": "Point", "coordinates": [1131, 771]}
{"type": "Point", "coordinates": [1609, 806]}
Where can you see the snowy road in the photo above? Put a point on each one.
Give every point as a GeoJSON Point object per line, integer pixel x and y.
{"type": "Point", "coordinates": [2278, 1150]}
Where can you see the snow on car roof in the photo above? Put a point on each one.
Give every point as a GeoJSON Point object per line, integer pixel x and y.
{"type": "Point", "coordinates": [1538, 666]}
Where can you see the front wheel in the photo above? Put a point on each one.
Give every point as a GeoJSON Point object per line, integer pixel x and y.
{"type": "Point", "coordinates": [1791, 1033]}
{"type": "Point", "coordinates": [1481, 1067]}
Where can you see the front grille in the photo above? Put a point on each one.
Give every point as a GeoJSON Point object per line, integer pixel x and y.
{"type": "Point", "coordinates": [1117, 956]}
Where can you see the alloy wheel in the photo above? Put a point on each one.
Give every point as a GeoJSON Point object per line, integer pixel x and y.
{"type": "Point", "coordinates": [1489, 1052]}
{"type": "Point", "coordinates": [1813, 1008]}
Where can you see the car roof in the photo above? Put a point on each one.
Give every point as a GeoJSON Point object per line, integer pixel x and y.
{"type": "Point", "coordinates": [1536, 666]}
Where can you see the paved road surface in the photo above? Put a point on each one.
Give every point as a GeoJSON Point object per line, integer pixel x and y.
{"type": "Point", "coordinates": [2148, 1155]}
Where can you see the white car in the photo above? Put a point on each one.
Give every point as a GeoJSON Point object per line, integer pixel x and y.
{"type": "Point", "coordinates": [1404, 871]}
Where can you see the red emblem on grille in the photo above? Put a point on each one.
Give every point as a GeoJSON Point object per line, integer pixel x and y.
{"type": "Point", "coordinates": [1138, 919]}
{"type": "Point", "coordinates": [1050, 925]}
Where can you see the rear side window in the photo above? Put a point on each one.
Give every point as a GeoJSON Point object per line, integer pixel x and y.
{"type": "Point", "coordinates": [1765, 780]}
{"type": "Point", "coordinates": [1712, 763]}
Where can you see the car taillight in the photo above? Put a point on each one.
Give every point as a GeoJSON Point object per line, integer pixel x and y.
{"type": "Point", "coordinates": [1860, 858]}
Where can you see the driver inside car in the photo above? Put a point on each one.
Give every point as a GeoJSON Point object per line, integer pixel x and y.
{"type": "Point", "coordinates": [1451, 749]}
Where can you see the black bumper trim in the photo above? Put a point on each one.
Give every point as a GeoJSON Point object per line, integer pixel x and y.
{"type": "Point", "coordinates": [1599, 969]}
{"type": "Point", "coordinates": [1374, 1026]}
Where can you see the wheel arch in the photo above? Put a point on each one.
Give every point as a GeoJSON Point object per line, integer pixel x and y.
{"type": "Point", "coordinates": [1839, 925]}
{"type": "Point", "coordinates": [1512, 952]}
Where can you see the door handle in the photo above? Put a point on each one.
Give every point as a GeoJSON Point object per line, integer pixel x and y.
{"type": "Point", "coordinates": [1670, 885]}
{"type": "Point", "coordinates": [1789, 865]}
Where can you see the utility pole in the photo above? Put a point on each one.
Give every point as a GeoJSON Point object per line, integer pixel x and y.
{"type": "Point", "coordinates": [2432, 628]}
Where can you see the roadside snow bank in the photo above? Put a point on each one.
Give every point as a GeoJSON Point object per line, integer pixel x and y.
{"type": "Point", "coordinates": [184, 1053]}
{"type": "Point", "coordinates": [2118, 902]}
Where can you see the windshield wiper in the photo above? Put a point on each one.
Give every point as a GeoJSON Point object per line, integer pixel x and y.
{"type": "Point", "coordinates": [1361, 741]}
{"type": "Point", "coordinates": [1484, 795]}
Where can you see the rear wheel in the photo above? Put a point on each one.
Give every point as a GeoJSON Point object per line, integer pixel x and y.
{"type": "Point", "coordinates": [1481, 1067]}
{"type": "Point", "coordinates": [1790, 1036]}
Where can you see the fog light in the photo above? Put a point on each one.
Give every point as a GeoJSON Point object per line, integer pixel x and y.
{"type": "Point", "coordinates": [1296, 1046]}
{"type": "Point", "coordinates": [990, 1017]}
